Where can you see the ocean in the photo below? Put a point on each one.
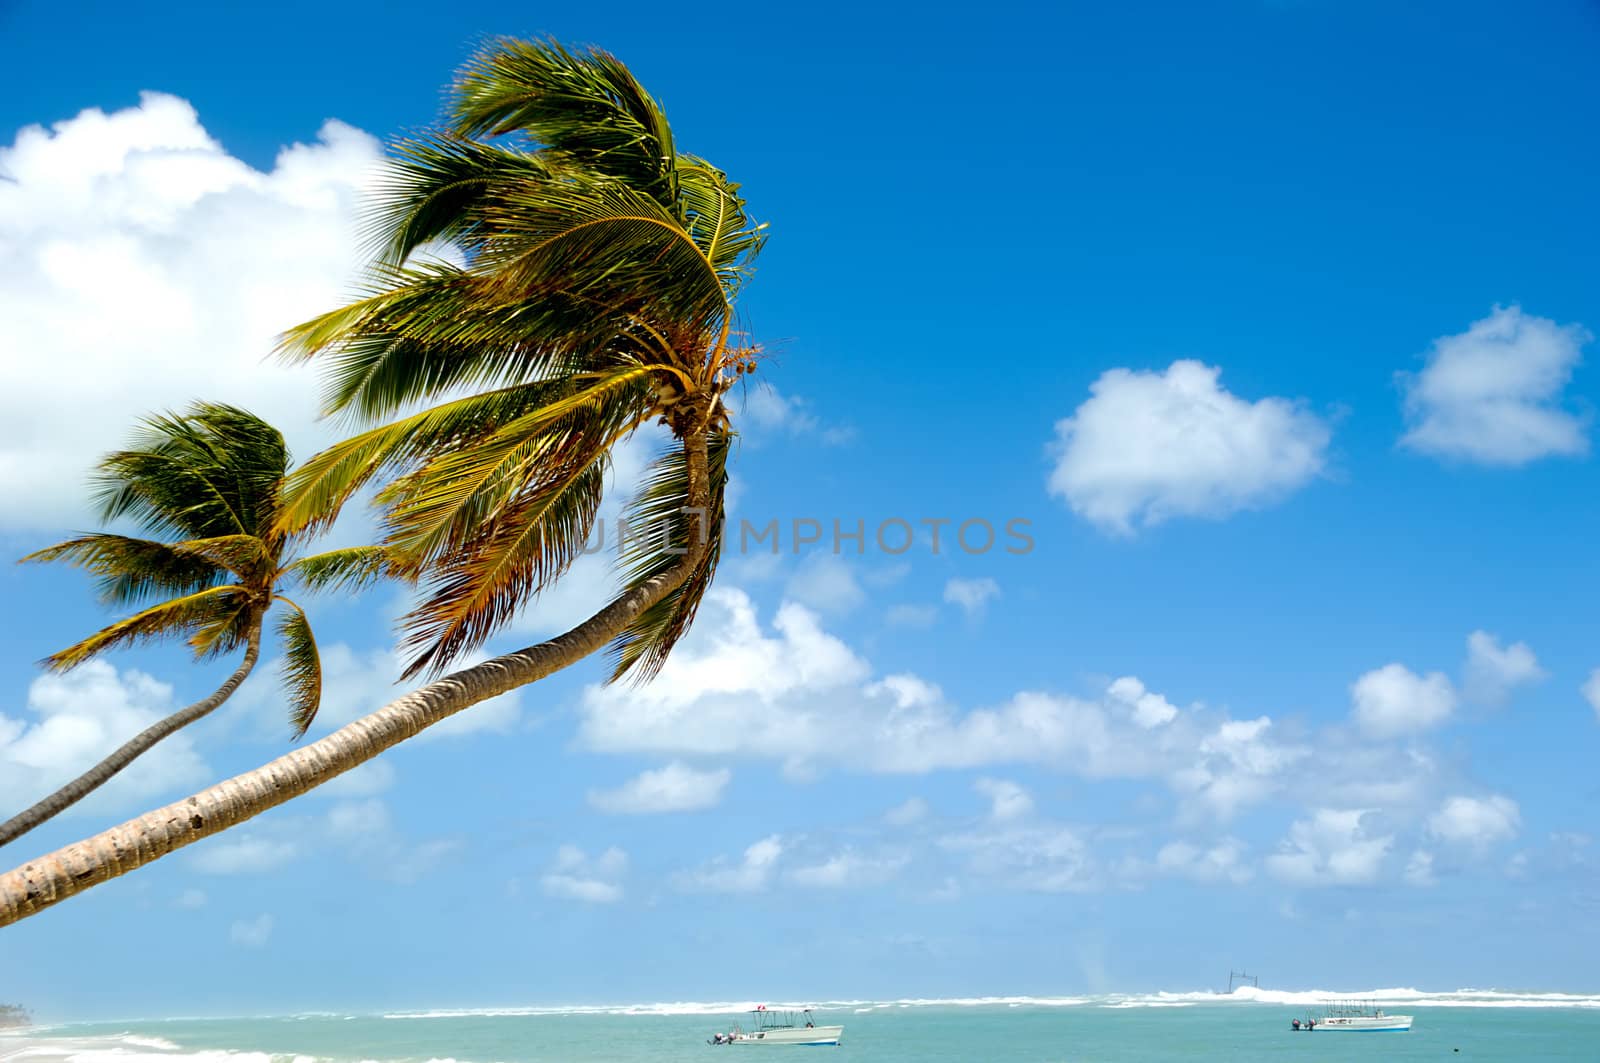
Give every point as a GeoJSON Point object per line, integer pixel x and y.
{"type": "Point", "coordinates": [1247, 1025]}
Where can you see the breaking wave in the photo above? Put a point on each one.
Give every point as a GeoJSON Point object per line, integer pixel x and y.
{"type": "Point", "coordinates": [1245, 995]}
{"type": "Point", "coordinates": [123, 1048]}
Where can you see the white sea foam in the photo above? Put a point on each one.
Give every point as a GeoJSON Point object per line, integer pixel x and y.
{"type": "Point", "coordinates": [123, 1048]}
{"type": "Point", "coordinates": [657, 1009]}
{"type": "Point", "coordinates": [1419, 998]}
{"type": "Point", "coordinates": [1245, 995]}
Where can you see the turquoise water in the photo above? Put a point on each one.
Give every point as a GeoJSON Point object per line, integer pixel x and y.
{"type": "Point", "coordinates": [891, 1033]}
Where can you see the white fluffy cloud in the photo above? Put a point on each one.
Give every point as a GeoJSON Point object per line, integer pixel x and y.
{"type": "Point", "coordinates": [753, 871]}
{"type": "Point", "coordinates": [798, 695]}
{"type": "Point", "coordinates": [1476, 821]}
{"type": "Point", "coordinates": [846, 870]}
{"type": "Point", "coordinates": [769, 410]}
{"type": "Point", "coordinates": [1334, 847]}
{"type": "Point", "coordinates": [972, 595]}
{"type": "Point", "coordinates": [1237, 764]}
{"type": "Point", "coordinates": [1419, 869]}
{"type": "Point", "coordinates": [1591, 691]}
{"type": "Point", "coordinates": [577, 876]}
{"type": "Point", "coordinates": [723, 682]}
{"type": "Point", "coordinates": [74, 720]}
{"type": "Point", "coordinates": [1223, 862]}
{"type": "Point", "coordinates": [1149, 709]}
{"type": "Point", "coordinates": [786, 690]}
{"type": "Point", "coordinates": [1007, 800]}
{"type": "Point", "coordinates": [1393, 701]}
{"type": "Point", "coordinates": [674, 788]}
{"type": "Point", "coordinates": [1492, 394]}
{"type": "Point", "coordinates": [1149, 446]}
{"type": "Point", "coordinates": [245, 854]}
{"type": "Point", "coordinates": [143, 267]}
{"type": "Point", "coordinates": [1493, 671]}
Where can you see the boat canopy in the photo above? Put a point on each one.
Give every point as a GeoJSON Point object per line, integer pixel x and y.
{"type": "Point", "coordinates": [769, 1018]}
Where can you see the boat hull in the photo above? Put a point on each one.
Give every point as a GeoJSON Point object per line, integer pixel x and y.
{"type": "Point", "coordinates": [814, 1036]}
{"type": "Point", "coordinates": [1366, 1024]}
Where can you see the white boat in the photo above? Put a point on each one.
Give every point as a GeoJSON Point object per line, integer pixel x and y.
{"type": "Point", "coordinates": [780, 1028]}
{"type": "Point", "coordinates": [1355, 1016]}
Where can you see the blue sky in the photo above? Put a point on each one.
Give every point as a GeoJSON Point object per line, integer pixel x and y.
{"type": "Point", "coordinates": [1273, 322]}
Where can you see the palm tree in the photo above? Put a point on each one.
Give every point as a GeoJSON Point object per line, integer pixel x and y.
{"type": "Point", "coordinates": [590, 291]}
{"type": "Point", "coordinates": [209, 483]}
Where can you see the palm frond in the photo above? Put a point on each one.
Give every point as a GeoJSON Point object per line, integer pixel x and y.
{"type": "Point", "coordinates": [714, 214]}
{"type": "Point", "coordinates": [508, 560]}
{"type": "Point", "coordinates": [216, 636]}
{"type": "Point", "coordinates": [208, 472]}
{"type": "Point", "coordinates": [607, 242]}
{"type": "Point", "coordinates": [302, 666]}
{"type": "Point", "coordinates": [352, 568]}
{"type": "Point", "coordinates": [584, 106]}
{"type": "Point", "coordinates": [246, 556]}
{"type": "Point", "coordinates": [430, 507]}
{"type": "Point", "coordinates": [214, 609]}
{"type": "Point", "coordinates": [316, 492]}
{"type": "Point", "coordinates": [436, 187]}
{"type": "Point", "coordinates": [660, 510]}
{"type": "Point", "coordinates": [436, 328]}
{"type": "Point", "coordinates": [133, 570]}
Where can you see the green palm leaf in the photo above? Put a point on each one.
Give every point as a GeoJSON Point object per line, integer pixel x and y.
{"type": "Point", "coordinates": [246, 556]}
{"type": "Point", "coordinates": [437, 328]}
{"type": "Point", "coordinates": [230, 629]}
{"type": "Point", "coordinates": [509, 559]}
{"type": "Point", "coordinates": [302, 667]}
{"type": "Point", "coordinates": [208, 473]}
{"type": "Point", "coordinates": [315, 493]}
{"type": "Point", "coordinates": [201, 611]}
{"type": "Point", "coordinates": [434, 506]}
{"type": "Point", "coordinates": [436, 187]}
{"type": "Point", "coordinates": [606, 242]}
{"type": "Point", "coordinates": [133, 570]}
{"type": "Point", "coordinates": [715, 218]}
{"type": "Point", "coordinates": [352, 568]}
{"type": "Point", "coordinates": [583, 107]}
{"type": "Point", "coordinates": [660, 508]}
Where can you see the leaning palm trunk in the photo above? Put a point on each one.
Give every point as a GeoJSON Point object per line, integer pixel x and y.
{"type": "Point", "coordinates": [102, 773]}
{"type": "Point", "coordinates": [53, 878]}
